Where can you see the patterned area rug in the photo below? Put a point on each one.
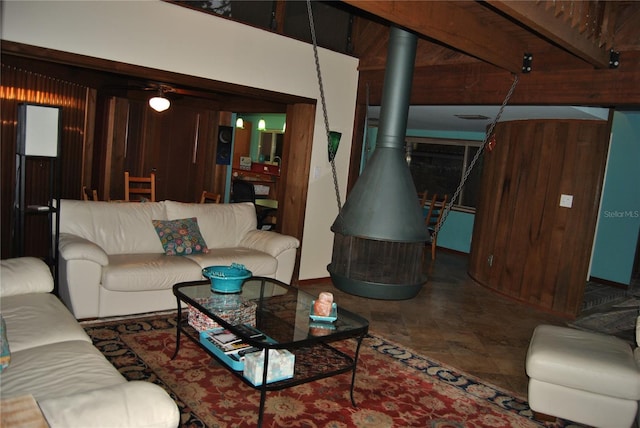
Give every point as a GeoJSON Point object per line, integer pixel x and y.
{"type": "Point", "coordinates": [395, 387]}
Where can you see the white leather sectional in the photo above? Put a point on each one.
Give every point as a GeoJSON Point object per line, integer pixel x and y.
{"type": "Point", "coordinates": [112, 261]}
{"type": "Point", "coordinates": [584, 376]}
{"type": "Point", "coordinates": [53, 360]}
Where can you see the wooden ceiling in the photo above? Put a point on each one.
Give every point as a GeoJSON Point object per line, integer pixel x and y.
{"type": "Point", "coordinates": [469, 50]}
{"type": "Point", "coordinates": [467, 54]}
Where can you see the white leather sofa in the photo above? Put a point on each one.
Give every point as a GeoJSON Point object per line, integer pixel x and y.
{"type": "Point", "coordinates": [112, 262]}
{"type": "Point", "coordinates": [53, 360]}
{"type": "Point", "coordinates": [583, 376]}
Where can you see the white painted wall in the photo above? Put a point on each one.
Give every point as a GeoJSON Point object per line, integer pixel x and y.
{"type": "Point", "coordinates": [164, 36]}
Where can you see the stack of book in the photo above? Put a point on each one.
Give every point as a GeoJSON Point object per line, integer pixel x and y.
{"type": "Point", "coordinates": [230, 347]}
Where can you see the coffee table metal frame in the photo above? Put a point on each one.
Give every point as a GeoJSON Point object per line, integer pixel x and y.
{"type": "Point", "coordinates": [280, 314]}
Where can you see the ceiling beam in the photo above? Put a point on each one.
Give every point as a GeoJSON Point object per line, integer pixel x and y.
{"type": "Point", "coordinates": [536, 17]}
{"type": "Point", "coordinates": [452, 25]}
{"type": "Point", "coordinates": [483, 84]}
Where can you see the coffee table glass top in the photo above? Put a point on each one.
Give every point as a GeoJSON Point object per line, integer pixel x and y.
{"type": "Point", "coordinates": [282, 311]}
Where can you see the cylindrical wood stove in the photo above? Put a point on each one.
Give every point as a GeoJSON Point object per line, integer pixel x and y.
{"type": "Point", "coordinates": [380, 232]}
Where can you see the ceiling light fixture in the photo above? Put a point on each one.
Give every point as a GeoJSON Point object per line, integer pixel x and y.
{"type": "Point", "coordinates": [262, 125]}
{"type": "Point", "coordinates": [159, 103]}
{"type": "Point", "coordinates": [240, 123]}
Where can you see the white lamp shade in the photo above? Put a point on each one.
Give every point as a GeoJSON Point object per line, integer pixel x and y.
{"type": "Point", "coordinates": [262, 125]}
{"type": "Point", "coordinates": [159, 103]}
{"type": "Point", "coordinates": [239, 123]}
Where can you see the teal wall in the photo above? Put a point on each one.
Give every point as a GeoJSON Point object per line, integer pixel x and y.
{"type": "Point", "coordinates": [275, 122]}
{"type": "Point", "coordinates": [456, 231]}
{"type": "Point", "coordinates": [619, 216]}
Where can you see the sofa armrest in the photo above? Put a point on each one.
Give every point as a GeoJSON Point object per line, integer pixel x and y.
{"type": "Point", "coordinates": [272, 243]}
{"type": "Point", "coordinates": [73, 247]}
{"type": "Point", "coordinates": [130, 404]}
{"type": "Point", "coordinates": [24, 275]}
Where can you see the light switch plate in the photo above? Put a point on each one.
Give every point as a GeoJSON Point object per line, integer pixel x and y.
{"type": "Point", "coordinates": [566, 201]}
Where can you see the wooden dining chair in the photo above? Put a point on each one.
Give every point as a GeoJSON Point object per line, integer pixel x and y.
{"type": "Point", "coordinates": [143, 186]}
{"type": "Point", "coordinates": [89, 194]}
{"type": "Point", "coordinates": [422, 197]}
{"type": "Point", "coordinates": [210, 197]}
{"type": "Point", "coordinates": [436, 209]}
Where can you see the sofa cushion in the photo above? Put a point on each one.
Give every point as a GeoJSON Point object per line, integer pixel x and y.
{"type": "Point", "coordinates": [140, 272]}
{"type": "Point", "coordinates": [117, 227]}
{"type": "Point", "coordinates": [583, 360]}
{"type": "Point", "coordinates": [258, 262]}
{"type": "Point", "coordinates": [180, 237]}
{"type": "Point", "coordinates": [38, 319]}
{"type": "Point", "coordinates": [221, 225]}
{"type": "Point", "coordinates": [23, 275]}
{"type": "Point", "coordinates": [58, 369]}
{"type": "Point", "coordinates": [104, 407]}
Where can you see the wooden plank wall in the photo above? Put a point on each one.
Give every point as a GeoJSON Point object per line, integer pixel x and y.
{"type": "Point", "coordinates": [525, 245]}
{"type": "Point", "coordinates": [23, 86]}
{"type": "Point", "coordinates": [104, 135]}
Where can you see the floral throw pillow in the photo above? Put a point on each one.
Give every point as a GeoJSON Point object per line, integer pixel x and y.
{"type": "Point", "coordinates": [180, 237]}
{"type": "Point", "coordinates": [5, 353]}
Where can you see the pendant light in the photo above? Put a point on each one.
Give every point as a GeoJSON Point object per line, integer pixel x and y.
{"type": "Point", "coordinates": [262, 125]}
{"type": "Point", "coordinates": [159, 103]}
{"type": "Point", "coordinates": [240, 123]}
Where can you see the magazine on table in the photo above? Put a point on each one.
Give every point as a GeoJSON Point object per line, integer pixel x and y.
{"type": "Point", "coordinates": [230, 343]}
{"type": "Point", "coordinates": [224, 337]}
{"type": "Point", "coordinates": [237, 347]}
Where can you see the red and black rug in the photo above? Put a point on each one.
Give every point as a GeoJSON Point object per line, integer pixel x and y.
{"type": "Point", "coordinates": [395, 387]}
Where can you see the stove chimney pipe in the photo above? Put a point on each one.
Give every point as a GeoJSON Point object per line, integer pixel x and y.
{"type": "Point", "coordinates": [381, 228]}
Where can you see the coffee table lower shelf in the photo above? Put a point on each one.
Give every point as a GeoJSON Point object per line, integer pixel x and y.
{"type": "Point", "coordinates": [314, 362]}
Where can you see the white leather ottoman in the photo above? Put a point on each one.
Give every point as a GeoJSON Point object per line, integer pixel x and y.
{"type": "Point", "coordinates": [582, 376]}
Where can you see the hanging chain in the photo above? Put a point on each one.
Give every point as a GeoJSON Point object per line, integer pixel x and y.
{"type": "Point", "coordinates": [327, 129]}
{"type": "Point", "coordinates": [324, 105]}
{"type": "Point", "coordinates": [477, 155]}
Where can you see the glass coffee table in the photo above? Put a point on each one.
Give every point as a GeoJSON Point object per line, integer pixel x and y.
{"type": "Point", "coordinates": [284, 315]}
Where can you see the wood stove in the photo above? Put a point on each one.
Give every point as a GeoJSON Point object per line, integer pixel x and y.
{"type": "Point", "coordinates": [380, 233]}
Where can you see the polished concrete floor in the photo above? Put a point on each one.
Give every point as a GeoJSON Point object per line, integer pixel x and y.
{"type": "Point", "coordinates": [456, 321]}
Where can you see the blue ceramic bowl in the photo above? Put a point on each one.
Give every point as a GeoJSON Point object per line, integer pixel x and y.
{"type": "Point", "coordinates": [226, 279]}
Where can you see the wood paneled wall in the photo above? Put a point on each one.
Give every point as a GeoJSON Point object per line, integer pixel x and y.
{"type": "Point", "coordinates": [20, 86]}
{"type": "Point", "coordinates": [108, 131]}
{"type": "Point", "coordinates": [179, 145]}
{"type": "Point", "coordinates": [525, 245]}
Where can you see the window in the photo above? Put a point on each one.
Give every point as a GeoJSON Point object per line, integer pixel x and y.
{"type": "Point", "coordinates": [438, 165]}
{"type": "Point", "coordinates": [332, 20]}
{"type": "Point", "coordinates": [258, 13]}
